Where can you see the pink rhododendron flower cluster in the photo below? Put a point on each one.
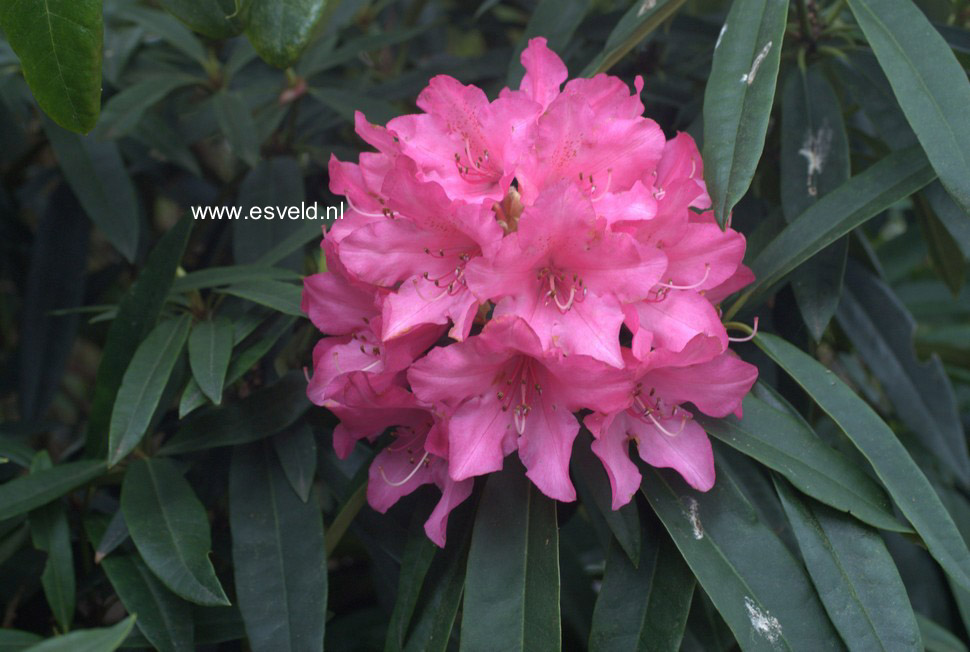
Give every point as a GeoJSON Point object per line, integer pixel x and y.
{"type": "Point", "coordinates": [512, 268]}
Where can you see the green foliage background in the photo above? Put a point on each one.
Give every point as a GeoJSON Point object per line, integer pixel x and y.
{"type": "Point", "coordinates": [158, 456]}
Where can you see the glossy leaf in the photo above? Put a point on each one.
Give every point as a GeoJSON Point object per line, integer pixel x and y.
{"type": "Point", "coordinates": [275, 184]}
{"type": "Point", "coordinates": [738, 98]}
{"type": "Point", "coordinates": [22, 494]}
{"type": "Point", "coordinates": [419, 552]}
{"type": "Point", "coordinates": [437, 607]}
{"type": "Point", "coordinates": [51, 533]}
{"type": "Point", "coordinates": [297, 453]}
{"type": "Point", "coordinates": [881, 329]}
{"type": "Point", "coordinates": [898, 472]}
{"type": "Point", "coordinates": [170, 30]}
{"type": "Point", "coordinates": [639, 21]}
{"type": "Point", "coordinates": [643, 607]}
{"type": "Point", "coordinates": [856, 577]}
{"type": "Point", "coordinates": [786, 445]}
{"type": "Point", "coordinates": [594, 488]}
{"type": "Point", "coordinates": [171, 530]}
{"type": "Point", "coordinates": [282, 297]}
{"type": "Point", "coordinates": [163, 618]}
{"type": "Point", "coordinates": [512, 583]}
{"type": "Point", "coordinates": [114, 534]}
{"type": "Point", "coordinates": [143, 385]}
{"type": "Point", "coordinates": [928, 82]}
{"type": "Point", "coordinates": [860, 198]}
{"type": "Point", "coordinates": [223, 276]}
{"type": "Point", "coordinates": [956, 220]}
{"type": "Point", "coordinates": [59, 44]}
{"type": "Point", "coordinates": [814, 162]}
{"type": "Point", "coordinates": [261, 414]}
{"type": "Point", "coordinates": [210, 347]}
{"type": "Point", "coordinates": [107, 639]}
{"type": "Point", "coordinates": [137, 313]}
{"type": "Point", "coordinates": [946, 254]}
{"type": "Point", "coordinates": [214, 18]}
{"type": "Point", "coordinates": [281, 29]}
{"type": "Point", "coordinates": [14, 640]}
{"type": "Point", "coordinates": [236, 123]}
{"type": "Point", "coordinates": [96, 173]}
{"type": "Point", "coordinates": [279, 556]}
{"type": "Point", "coordinates": [125, 109]}
{"type": "Point", "coordinates": [737, 560]}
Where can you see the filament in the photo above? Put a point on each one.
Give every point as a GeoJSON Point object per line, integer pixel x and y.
{"type": "Point", "coordinates": [747, 338]}
{"type": "Point", "coordinates": [671, 286]}
{"type": "Point", "coordinates": [659, 426]}
{"type": "Point", "coordinates": [408, 477]}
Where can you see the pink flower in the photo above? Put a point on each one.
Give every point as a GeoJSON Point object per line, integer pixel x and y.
{"type": "Point", "coordinates": [509, 393]}
{"type": "Point", "coordinates": [512, 269]}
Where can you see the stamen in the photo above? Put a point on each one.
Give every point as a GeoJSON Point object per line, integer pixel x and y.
{"type": "Point", "coordinates": [659, 426]}
{"type": "Point", "coordinates": [569, 304]}
{"type": "Point", "coordinates": [364, 213]}
{"type": "Point", "coordinates": [410, 475]}
{"type": "Point", "coordinates": [417, 289]}
{"type": "Point", "coordinates": [747, 338]}
{"type": "Point", "coordinates": [671, 286]}
{"type": "Point", "coordinates": [609, 181]}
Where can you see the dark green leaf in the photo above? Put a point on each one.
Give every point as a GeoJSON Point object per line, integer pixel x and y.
{"type": "Point", "coordinates": [738, 561]}
{"type": "Point", "coordinates": [124, 110]}
{"type": "Point", "coordinates": [814, 162]}
{"type": "Point", "coordinates": [512, 582]}
{"type": "Point", "coordinates": [13, 640]}
{"type": "Point", "coordinates": [222, 276]}
{"type": "Point", "coordinates": [96, 173]}
{"type": "Point", "coordinates": [28, 492]}
{"type": "Point", "coordinates": [261, 414]}
{"type": "Point", "coordinates": [137, 313]}
{"type": "Point", "coordinates": [556, 21]}
{"type": "Point", "coordinates": [857, 200]}
{"type": "Point", "coordinates": [786, 445]}
{"type": "Point", "coordinates": [930, 85]}
{"type": "Point", "coordinates": [14, 451]}
{"type": "Point", "coordinates": [945, 252]}
{"type": "Point", "coordinates": [275, 184]}
{"type": "Point", "coordinates": [59, 45]}
{"type": "Point", "coordinates": [594, 487]}
{"type": "Point", "coordinates": [106, 639]}
{"type": "Point", "coordinates": [170, 30]}
{"type": "Point", "coordinates": [171, 530]}
{"type": "Point", "coordinates": [214, 18]}
{"type": "Point", "coordinates": [419, 552]}
{"type": "Point", "coordinates": [210, 347]}
{"type": "Point", "coordinates": [882, 330]}
{"type": "Point", "coordinates": [55, 281]}
{"type": "Point", "coordinates": [281, 29]}
{"type": "Point", "coordinates": [956, 221]}
{"type": "Point", "coordinates": [193, 397]}
{"type": "Point", "coordinates": [282, 297]}
{"type": "Point", "coordinates": [738, 98]}
{"type": "Point", "coordinates": [898, 472]}
{"type": "Point", "coordinates": [637, 24]}
{"type": "Point", "coordinates": [437, 607]}
{"type": "Point", "coordinates": [163, 617]}
{"type": "Point", "coordinates": [936, 638]}
{"type": "Point", "coordinates": [279, 556]}
{"type": "Point", "coordinates": [643, 607]}
{"type": "Point", "coordinates": [236, 123]}
{"type": "Point", "coordinates": [346, 103]}
{"type": "Point", "coordinates": [143, 385]}
{"type": "Point", "coordinates": [113, 536]}
{"type": "Point", "coordinates": [855, 576]}
{"type": "Point", "coordinates": [297, 452]}
{"type": "Point", "coordinates": [51, 533]}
